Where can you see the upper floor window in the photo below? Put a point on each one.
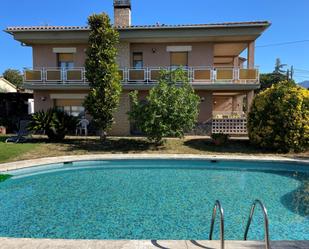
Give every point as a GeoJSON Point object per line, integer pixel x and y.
{"type": "Point", "coordinates": [179, 59]}
{"type": "Point", "coordinates": [65, 60]}
{"type": "Point", "coordinates": [138, 60]}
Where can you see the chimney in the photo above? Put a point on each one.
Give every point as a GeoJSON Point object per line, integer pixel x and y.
{"type": "Point", "coordinates": [122, 13]}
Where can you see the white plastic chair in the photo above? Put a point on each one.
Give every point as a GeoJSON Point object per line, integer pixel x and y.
{"type": "Point", "coordinates": [82, 126]}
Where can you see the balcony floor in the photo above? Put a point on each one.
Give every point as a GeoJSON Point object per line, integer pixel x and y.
{"type": "Point", "coordinates": [142, 86]}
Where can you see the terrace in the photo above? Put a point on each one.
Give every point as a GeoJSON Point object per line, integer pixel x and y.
{"type": "Point", "coordinates": [146, 75]}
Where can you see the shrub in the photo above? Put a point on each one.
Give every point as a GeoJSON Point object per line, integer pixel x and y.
{"type": "Point", "coordinates": [279, 118]}
{"type": "Point", "coordinates": [170, 109]}
{"type": "Point", "coordinates": [55, 123]}
{"type": "Point", "coordinates": [220, 138]}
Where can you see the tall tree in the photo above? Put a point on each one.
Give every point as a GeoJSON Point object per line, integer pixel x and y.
{"type": "Point", "coordinates": [14, 76]}
{"type": "Point", "coordinates": [279, 67]}
{"type": "Point", "coordinates": [102, 72]}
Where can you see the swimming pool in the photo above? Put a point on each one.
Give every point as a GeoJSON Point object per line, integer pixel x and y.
{"type": "Point", "coordinates": [154, 199]}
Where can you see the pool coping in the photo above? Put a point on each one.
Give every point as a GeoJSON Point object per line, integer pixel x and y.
{"type": "Point", "coordinates": [5, 167]}
{"type": "Point", "coordinates": [9, 243]}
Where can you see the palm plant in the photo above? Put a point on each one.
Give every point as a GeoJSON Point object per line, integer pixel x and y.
{"type": "Point", "coordinates": [54, 122]}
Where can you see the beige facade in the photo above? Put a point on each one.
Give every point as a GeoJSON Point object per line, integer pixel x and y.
{"type": "Point", "coordinates": [200, 54]}
{"type": "Point", "coordinates": [45, 56]}
{"type": "Point", "coordinates": [122, 125]}
{"type": "Point", "coordinates": [156, 54]}
{"type": "Point", "coordinates": [124, 54]}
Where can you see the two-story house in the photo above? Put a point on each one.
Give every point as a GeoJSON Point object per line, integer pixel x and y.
{"type": "Point", "coordinates": [210, 53]}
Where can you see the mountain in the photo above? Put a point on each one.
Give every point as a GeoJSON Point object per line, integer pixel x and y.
{"type": "Point", "coordinates": [305, 84]}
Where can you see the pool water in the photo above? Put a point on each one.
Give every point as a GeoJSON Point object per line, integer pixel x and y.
{"type": "Point", "coordinates": [154, 199]}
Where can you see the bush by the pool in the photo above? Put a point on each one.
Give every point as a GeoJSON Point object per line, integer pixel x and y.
{"type": "Point", "coordinates": [279, 118]}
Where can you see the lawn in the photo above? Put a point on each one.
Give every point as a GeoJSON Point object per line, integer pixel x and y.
{"type": "Point", "coordinates": [39, 147]}
{"type": "Point", "coordinates": [10, 152]}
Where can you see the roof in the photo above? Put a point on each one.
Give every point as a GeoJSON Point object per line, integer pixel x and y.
{"type": "Point", "coordinates": [134, 27]}
{"type": "Point", "coordinates": [7, 83]}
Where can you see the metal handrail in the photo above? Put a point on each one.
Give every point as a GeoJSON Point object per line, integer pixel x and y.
{"type": "Point", "coordinates": [266, 223]}
{"type": "Point", "coordinates": [217, 205]}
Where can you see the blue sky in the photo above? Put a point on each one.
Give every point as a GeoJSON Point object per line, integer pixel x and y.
{"type": "Point", "coordinates": [290, 22]}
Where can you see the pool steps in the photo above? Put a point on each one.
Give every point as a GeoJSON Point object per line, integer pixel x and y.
{"type": "Point", "coordinates": [219, 206]}
{"type": "Point", "coordinates": [266, 222]}
{"type": "Point", "coordinates": [214, 213]}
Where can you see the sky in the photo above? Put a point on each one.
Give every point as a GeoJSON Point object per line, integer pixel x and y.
{"type": "Point", "coordinates": [290, 23]}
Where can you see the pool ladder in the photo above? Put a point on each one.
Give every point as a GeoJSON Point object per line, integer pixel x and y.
{"type": "Point", "coordinates": [219, 206]}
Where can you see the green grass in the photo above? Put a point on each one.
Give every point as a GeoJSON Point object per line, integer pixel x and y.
{"type": "Point", "coordinates": [39, 147]}
{"type": "Point", "coordinates": [4, 177]}
{"type": "Point", "coordinates": [10, 151]}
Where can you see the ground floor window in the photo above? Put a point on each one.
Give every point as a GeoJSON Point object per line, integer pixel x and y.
{"type": "Point", "coordinates": [73, 107]}
{"type": "Point", "coordinates": [76, 111]}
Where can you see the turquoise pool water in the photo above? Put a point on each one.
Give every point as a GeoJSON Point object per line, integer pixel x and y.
{"type": "Point", "coordinates": [153, 199]}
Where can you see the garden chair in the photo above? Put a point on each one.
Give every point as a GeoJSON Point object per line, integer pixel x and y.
{"type": "Point", "coordinates": [22, 133]}
{"type": "Point", "coordinates": [82, 126]}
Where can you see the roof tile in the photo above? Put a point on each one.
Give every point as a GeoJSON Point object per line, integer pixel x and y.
{"type": "Point", "coordinates": [155, 26]}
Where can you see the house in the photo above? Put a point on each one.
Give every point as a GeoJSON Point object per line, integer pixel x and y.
{"type": "Point", "coordinates": [6, 86]}
{"type": "Point", "coordinates": [210, 53]}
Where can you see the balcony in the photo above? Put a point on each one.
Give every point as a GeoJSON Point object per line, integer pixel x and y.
{"type": "Point", "coordinates": [196, 75]}
{"type": "Point", "coordinates": [55, 76]}
{"type": "Point", "coordinates": [203, 78]}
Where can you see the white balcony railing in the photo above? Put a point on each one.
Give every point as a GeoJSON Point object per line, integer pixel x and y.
{"type": "Point", "coordinates": [149, 75]}
{"type": "Point", "coordinates": [55, 75]}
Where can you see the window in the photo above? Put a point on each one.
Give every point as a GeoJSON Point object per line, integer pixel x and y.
{"type": "Point", "coordinates": [72, 107]}
{"type": "Point", "coordinates": [75, 111]}
{"type": "Point", "coordinates": [65, 60]}
{"type": "Point", "coordinates": [138, 60]}
{"type": "Point", "coordinates": [179, 59]}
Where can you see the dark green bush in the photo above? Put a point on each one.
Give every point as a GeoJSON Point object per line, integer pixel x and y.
{"type": "Point", "coordinates": [55, 123]}
{"type": "Point", "coordinates": [279, 118]}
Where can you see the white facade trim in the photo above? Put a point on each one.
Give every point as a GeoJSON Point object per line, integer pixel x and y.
{"type": "Point", "coordinates": [68, 96]}
{"type": "Point", "coordinates": [179, 48]}
{"type": "Point", "coordinates": [64, 50]}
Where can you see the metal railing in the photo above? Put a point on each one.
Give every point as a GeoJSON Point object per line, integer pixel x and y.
{"type": "Point", "coordinates": [148, 75]}
{"type": "Point", "coordinates": [266, 223]}
{"type": "Point", "coordinates": [55, 75]}
{"type": "Point", "coordinates": [214, 213]}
